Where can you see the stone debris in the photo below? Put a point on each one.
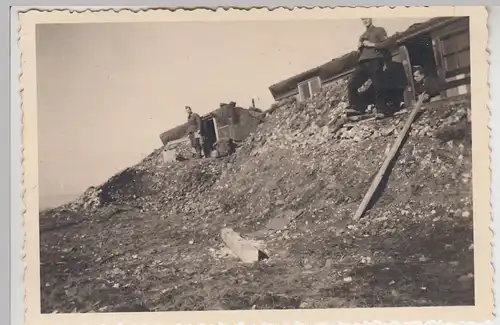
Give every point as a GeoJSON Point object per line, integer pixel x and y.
{"type": "Point", "coordinates": [169, 155]}
{"type": "Point", "coordinates": [305, 157]}
{"type": "Point", "coordinates": [178, 150]}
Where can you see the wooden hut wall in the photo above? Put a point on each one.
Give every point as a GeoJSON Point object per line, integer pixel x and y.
{"type": "Point", "coordinates": [222, 116]}
{"type": "Point", "coordinates": [244, 124]}
{"type": "Point", "coordinates": [452, 51]}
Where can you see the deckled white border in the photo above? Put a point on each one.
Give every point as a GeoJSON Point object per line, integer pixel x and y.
{"type": "Point", "coordinates": [288, 313]}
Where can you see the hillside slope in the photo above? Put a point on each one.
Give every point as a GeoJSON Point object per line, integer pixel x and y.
{"type": "Point", "coordinates": [151, 234]}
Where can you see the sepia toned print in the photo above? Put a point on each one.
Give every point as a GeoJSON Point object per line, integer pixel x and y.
{"type": "Point", "coordinates": [187, 161]}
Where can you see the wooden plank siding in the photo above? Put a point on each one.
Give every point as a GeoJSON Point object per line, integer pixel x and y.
{"type": "Point", "coordinates": [307, 89]}
{"type": "Point", "coordinates": [452, 52]}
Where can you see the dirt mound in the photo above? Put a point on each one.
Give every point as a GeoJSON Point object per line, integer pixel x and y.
{"type": "Point", "coordinates": [150, 236]}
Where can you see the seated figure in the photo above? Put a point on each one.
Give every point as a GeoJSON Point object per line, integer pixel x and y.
{"type": "Point", "coordinates": [425, 83]}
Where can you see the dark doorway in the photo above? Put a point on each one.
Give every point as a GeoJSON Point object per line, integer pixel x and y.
{"type": "Point", "coordinates": [421, 53]}
{"type": "Point", "coordinates": [395, 81]}
{"type": "Point", "coordinates": [209, 134]}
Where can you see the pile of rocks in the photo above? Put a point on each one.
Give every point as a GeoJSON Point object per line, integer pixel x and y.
{"type": "Point", "coordinates": [297, 140]}
{"type": "Point", "coordinates": [304, 161]}
{"type": "Point", "coordinates": [178, 150]}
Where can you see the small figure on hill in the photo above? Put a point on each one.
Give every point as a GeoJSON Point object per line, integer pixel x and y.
{"type": "Point", "coordinates": [370, 66]}
{"type": "Point", "coordinates": [425, 83]}
{"type": "Point", "coordinates": [194, 131]}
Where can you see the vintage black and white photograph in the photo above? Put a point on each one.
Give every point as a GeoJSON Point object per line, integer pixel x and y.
{"type": "Point", "coordinates": [257, 164]}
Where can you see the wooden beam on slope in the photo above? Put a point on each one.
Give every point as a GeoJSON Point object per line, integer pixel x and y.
{"type": "Point", "coordinates": [388, 158]}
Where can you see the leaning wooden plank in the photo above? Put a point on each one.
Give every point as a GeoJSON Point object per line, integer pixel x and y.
{"type": "Point", "coordinates": [242, 248]}
{"type": "Point", "coordinates": [390, 155]}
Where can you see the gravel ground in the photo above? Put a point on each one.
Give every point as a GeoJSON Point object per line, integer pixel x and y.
{"type": "Point", "coordinates": [149, 238]}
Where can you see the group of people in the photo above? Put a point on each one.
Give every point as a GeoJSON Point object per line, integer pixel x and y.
{"type": "Point", "coordinates": [375, 63]}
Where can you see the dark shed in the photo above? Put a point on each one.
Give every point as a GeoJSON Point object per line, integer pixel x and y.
{"type": "Point", "coordinates": [227, 122]}
{"type": "Point", "coordinates": [343, 64]}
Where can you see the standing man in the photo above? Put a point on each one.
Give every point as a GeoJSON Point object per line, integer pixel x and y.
{"type": "Point", "coordinates": [370, 65]}
{"type": "Point", "coordinates": [194, 130]}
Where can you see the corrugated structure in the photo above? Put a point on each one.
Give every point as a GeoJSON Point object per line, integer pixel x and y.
{"type": "Point", "coordinates": [444, 42]}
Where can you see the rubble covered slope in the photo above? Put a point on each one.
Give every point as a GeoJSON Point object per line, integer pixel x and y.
{"type": "Point", "coordinates": [150, 236]}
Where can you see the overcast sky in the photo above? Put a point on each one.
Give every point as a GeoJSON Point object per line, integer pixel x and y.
{"type": "Point", "coordinates": [106, 91]}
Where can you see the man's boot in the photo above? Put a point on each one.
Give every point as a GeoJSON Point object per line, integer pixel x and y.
{"type": "Point", "coordinates": [198, 153]}
{"type": "Point", "coordinates": [353, 111]}
{"type": "Point", "coordinates": [383, 112]}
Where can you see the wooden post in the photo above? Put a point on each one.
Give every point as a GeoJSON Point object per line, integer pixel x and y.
{"type": "Point", "coordinates": [390, 155]}
{"type": "Point", "coordinates": [216, 128]}
{"type": "Point", "coordinates": [409, 95]}
{"type": "Point", "coordinates": [438, 57]}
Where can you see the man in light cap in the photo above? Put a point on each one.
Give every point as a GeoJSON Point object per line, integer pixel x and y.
{"type": "Point", "coordinates": [194, 130]}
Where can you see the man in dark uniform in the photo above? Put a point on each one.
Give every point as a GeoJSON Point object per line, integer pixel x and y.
{"type": "Point", "coordinates": [425, 83]}
{"type": "Point", "coordinates": [394, 84]}
{"type": "Point", "coordinates": [194, 130]}
{"type": "Point", "coordinates": [370, 65]}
